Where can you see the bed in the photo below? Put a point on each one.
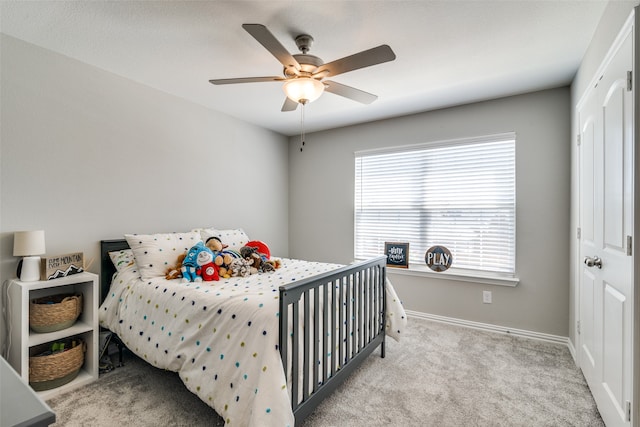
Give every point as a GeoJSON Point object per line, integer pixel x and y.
{"type": "Point", "coordinates": [261, 350]}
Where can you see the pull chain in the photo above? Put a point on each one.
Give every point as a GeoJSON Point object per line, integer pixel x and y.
{"type": "Point", "coordinates": [302, 126]}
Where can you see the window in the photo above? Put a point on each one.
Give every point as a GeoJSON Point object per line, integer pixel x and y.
{"type": "Point", "coordinates": [458, 194]}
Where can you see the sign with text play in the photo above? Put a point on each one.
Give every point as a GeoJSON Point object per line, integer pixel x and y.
{"type": "Point", "coordinates": [438, 258]}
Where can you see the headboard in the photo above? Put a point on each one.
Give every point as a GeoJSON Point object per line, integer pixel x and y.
{"type": "Point", "coordinates": [107, 269]}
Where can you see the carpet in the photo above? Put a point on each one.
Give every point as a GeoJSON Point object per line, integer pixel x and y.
{"type": "Point", "coordinates": [437, 375]}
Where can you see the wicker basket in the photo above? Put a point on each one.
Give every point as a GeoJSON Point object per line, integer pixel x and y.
{"type": "Point", "coordinates": [53, 313]}
{"type": "Point", "coordinates": [47, 371]}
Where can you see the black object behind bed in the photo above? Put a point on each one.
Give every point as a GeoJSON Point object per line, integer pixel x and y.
{"type": "Point", "coordinates": [107, 269]}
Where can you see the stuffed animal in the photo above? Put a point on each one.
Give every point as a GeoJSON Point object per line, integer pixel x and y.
{"type": "Point", "coordinates": [174, 272]}
{"type": "Point", "coordinates": [207, 269]}
{"type": "Point", "coordinates": [260, 261]}
{"type": "Point", "coordinates": [215, 244]}
{"type": "Point", "coordinates": [276, 263]}
{"type": "Point", "coordinates": [240, 267]}
{"type": "Point", "coordinates": [261, 248]}
{"type": "Point", "coordinates": [251, 254]}
{"type": "Point", "coordinates": [223, 256]}
{"type": "Point", "coordinates": [226, 256]}
{"type": "Point", "coordinates": [267, 267]}
{"type": "Point", "coordinates": [190, 263]}
{"type": "Point", "coordinates": [209, 272]}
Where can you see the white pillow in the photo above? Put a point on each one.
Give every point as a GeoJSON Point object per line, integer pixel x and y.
{"type": "Point", "coordinates": [122, 259]}
{"type": "Point", "coordinates": [235, 238]}
{"type": "Point", "coordinates": [154, 253]}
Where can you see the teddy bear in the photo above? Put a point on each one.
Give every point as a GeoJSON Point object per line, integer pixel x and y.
{"type": "Point", "coordinates": [174, 271]}
{"type": "Point", "coordinates": [261, 261]}
{"type": "Point", "coordinates": [223, 256]}
{"type": "Point", "coordinates": [275, 263]}
{"type": "Point", "coordinates": [267, 267]}
{"type": "Point", "coordinates": [268, 264]}
{"type": "Point", "coordinates": [225, 259]}
{"type": "Point", "coordinates": [240, 267]}
{"type": "Point", "coordinates": [250, 254]}
{"type": "Point", "coordinates": [190, 262]}
{"type": "Point", "coordinates": [258, 261]}
{"type": "Point", "coordinates": [207, 269]}
{"type": "Point", "coordinates": [261, 247]}
{"type": "Point", "coordinates": [215, 244]}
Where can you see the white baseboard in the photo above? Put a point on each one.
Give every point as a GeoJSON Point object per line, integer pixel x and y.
{"type": "Point", "coordinates": [573, 352]}
{"type": "Point", "coordinates": [495, 328]}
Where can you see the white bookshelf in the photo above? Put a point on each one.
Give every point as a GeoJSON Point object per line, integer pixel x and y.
{"type": "Point", "coordinates": [23, 338]}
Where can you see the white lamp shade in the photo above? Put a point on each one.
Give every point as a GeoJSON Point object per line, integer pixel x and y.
{"type": "Point", "coordinates": [28, 243]}
{"type": "Point", "coordinates": [303, 89]}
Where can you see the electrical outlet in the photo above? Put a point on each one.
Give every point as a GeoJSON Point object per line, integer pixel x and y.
{"type": "Point", "coordinates": [486, 297]}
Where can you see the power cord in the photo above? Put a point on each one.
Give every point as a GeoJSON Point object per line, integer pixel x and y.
{"type": "Point", "coordinates": [6, 307]}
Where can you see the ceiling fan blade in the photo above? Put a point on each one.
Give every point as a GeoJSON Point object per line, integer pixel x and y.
{"type": "Point", "coordinates": [266, 39]}
{"type": "Point", "coordinates": [349, 92]}
{"type": "Point", "coordinates": [246, 80]}
{"type": "Point", "coordinates": [289, 105]}
{"type": "Point", "coordinates": [366, 58]}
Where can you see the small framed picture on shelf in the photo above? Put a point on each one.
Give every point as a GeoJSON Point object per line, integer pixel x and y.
{"type": "Point", "coordinates": [397, 254]}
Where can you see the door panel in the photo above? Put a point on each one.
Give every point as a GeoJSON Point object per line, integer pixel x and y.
{"type": "Point", "coordinates": [613, 110]}
{"type": "Point", "coordinates": [587, 299]}
{"type": "Point", "coordinates": [587, 196]}
{"type": "Point", "coordinates": [613, 371]}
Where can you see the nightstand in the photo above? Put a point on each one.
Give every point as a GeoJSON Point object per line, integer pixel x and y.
{"type": "Point", "coordinates": [23, 338]}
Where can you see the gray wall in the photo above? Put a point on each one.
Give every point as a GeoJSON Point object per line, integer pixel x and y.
{"type": "Point", "coordinates": [613, 18]}
{"type": "Point", "coordinates": [321, 205]}
{"type": "Point", "coordinates": [74, 139]}
{"type": "Point", "coordinates": [87, 155]}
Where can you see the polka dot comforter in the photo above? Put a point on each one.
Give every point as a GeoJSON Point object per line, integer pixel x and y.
{"type": "Point", "coordinates": [221, 337]}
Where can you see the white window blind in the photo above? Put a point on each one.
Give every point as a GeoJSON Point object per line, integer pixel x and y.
{"type": "Point", "coordinates": [458, 194]}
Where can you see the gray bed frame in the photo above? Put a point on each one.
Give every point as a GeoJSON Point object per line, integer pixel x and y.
{"type": "Point", "coordinates": [355, 328]}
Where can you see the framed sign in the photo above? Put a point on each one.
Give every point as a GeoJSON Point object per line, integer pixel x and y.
{"type": "Point", "coordinates": [397, 254]}
{"type": "Point", "coordinates": [55, 267]}
{"type": "Point", "coordinates": [438, 258]}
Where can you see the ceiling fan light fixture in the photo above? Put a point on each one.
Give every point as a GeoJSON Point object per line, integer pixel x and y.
{"type": "Point", "coordinates": [303, 89]}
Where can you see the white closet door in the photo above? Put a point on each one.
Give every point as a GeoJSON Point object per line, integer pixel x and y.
{"type": "Point", "coordinates": [606, 221]}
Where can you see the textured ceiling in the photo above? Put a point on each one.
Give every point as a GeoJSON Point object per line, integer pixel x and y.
{"type": "Point", "coordinates": [448, 52]}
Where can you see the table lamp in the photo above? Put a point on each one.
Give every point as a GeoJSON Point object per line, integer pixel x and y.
{"type": "Point", "coordinates": [29, 245]}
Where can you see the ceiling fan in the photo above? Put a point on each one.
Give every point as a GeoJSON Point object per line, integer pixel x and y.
{"type": "Point", "coordinates": [304, 74]}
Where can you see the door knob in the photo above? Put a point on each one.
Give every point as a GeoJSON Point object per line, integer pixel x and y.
{"type": "Point", "coordinates": [593, 262]}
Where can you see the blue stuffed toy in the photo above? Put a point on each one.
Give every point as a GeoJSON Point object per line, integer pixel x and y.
{"type": "Point", "coordinates": [190, 263]}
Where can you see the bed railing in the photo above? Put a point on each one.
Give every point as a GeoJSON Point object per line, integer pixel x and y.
{"type": "Point", "coordinates": [328, 325]}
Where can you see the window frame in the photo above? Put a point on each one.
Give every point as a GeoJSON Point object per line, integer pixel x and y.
{"type": "Point", "coordinates": [460, 274]}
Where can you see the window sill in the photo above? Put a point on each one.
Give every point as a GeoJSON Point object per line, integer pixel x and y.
{"type": "Point", "coordinates": [463, 276]}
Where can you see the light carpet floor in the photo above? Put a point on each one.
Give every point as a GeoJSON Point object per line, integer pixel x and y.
{"type": "Point", "coordinates": [438, 375]}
